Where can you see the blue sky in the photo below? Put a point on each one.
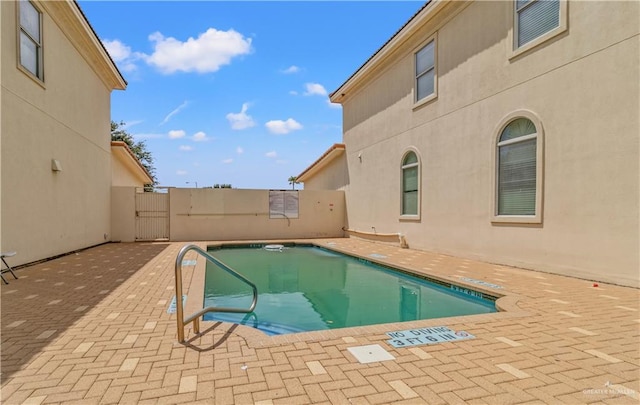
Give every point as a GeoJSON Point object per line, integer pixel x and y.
{"type": "Point", "coordinates": [237, 92]}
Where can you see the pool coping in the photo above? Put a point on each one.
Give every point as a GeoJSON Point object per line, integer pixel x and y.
{"type": "Point", "coordinates": [97, 327]}
{"type": "Point", "coordinates": [193, 282]}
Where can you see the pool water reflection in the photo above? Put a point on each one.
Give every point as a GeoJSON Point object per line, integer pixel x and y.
{"type": "Point", "coordinates": [310, 288]}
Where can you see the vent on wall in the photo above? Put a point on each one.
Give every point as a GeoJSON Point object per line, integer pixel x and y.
{"type": "Point", "coordinates": [55, 165]}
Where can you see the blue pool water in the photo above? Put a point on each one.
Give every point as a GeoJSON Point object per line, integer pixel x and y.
{"type": "Point", "coordinates": [306, 288]}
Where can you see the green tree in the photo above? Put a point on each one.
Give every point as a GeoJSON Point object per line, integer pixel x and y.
{"type": "Point", "coordinates": [139, 149]}
{"type": "Point", "coordinates": [293, 180]}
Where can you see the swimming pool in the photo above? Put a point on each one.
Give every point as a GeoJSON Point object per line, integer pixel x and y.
{"type": "Point", "coordinates": [308, 288]}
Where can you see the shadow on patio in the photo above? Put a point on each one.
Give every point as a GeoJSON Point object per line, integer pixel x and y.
{"type": "Point", "coordinates": [50, 297]}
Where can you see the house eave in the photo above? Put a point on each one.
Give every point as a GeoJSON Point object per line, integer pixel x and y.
{"type": "Point", "coordinates": [382, 55]}
{"type": "Point", "coordinates": [76, 27]}
{"type": "Point", "coordinates": [126, 156]}
{"type": "Point", "coordinates": [327, 157]}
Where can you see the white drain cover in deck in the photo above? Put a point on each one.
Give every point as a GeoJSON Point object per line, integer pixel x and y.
{"type": "Point", "coordinates": [370, 353]}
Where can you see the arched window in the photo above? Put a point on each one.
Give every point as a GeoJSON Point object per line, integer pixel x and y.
{"type": "Point", "coordinates": [410, 184]}
{"type": "Point", "coordinates": [517, 169]}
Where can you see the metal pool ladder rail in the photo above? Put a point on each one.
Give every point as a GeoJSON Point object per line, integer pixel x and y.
{"type": "Point", "coordinates": [195, 318]}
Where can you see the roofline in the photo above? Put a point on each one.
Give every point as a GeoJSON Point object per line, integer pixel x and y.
{"type": "Point", "coordinates": [95, 34]}
{"type": "Point", "coordinates": [335, 150]}
{"type": "Point", "coordinates": [425, 13]}
{"type": "Point", "coordinates": [134, 158]}
{"type": "Point", "coordinates": [72, 21]}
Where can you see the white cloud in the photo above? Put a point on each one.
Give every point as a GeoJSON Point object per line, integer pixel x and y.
{"type": "Point", "coordinates": [174, 112]}
{"type": "Point", "coordinates": [333, 105]}
{"type": "Point", "coordinates": [315, 89]}
{"type": "Point", "coordinates": [121, 54]}
{"type": "Point", "coordinates": [177, 134]}
{"type": "Point", "coordinates": [130, 124]}
{"type": "Point", "coordinates": [293, 93]}
{"type": "Point", "coordinates": [200, 137]}
{"type": "Point", "coordinates": [186, 148]}
{"type": "Point", "coordinates": [283, 127]}
{"type": "Point", "coordinates": [117, 50]}
{"type": "Point", "coordinates": [205, 54]}
{"type": "Point", "coordinates": [148, 136]}
{"type": "Point", "coordinates": [239, 150]}
{"type": "Point", "coordinates": [271, 154]}
{"type": "Point", "coordinates": [291, 69]}
{"type": "Point", "coordinates": [227, 161]}
{"type": "Point", "coordinates": [241, 120]}
{"type": "Point", "coordinates": [281, 162]}
{"type": "Point", "coordinates": [181, 172]}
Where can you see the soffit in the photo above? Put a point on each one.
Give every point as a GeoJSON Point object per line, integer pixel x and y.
{"type": "Point", "coordinates": [122, 152]}
{"type": "Point", "coordinates": [395, 46]}
{"type": "Point", "coordinates": [327, 157]}
{"type": "Point", "coordinates": [74, 24]}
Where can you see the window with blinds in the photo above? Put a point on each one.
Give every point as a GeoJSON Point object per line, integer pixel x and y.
{"type": "Point", "coordinates": [535, 18]}
{"type": "Point", "coordinates": [31, 39]}
{"type": "Point", "coordinates": [517, 169]}
{"type": "Point", "coordinates": [410, 184]}
{"type": "Point", "coordinates": [425, 71]}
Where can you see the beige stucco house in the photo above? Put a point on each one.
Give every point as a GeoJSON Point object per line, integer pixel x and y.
{"type": "Point", "coordinates": [506, 131]}
{"type": "Point", "coordinates": [126, 169]}
{"type": "Point", "coordinates": [56, 159]}
{"type": "Point", "coordinates": [328, 172]}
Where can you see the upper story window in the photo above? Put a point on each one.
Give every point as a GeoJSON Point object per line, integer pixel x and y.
{"type": "Point", "coordinates": [31, 39]}
{"type": "Point", "coordinates": [425, 63]}
{"type": "Point", "coordinates": [517, 169]}
{"type": "Point", "coordinates": [535, 18]}
{"type": "Point", "coordinates": [410, 184]}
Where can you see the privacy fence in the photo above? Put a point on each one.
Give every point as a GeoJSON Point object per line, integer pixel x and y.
{"type": "Point", "coordinates": [188, 214]}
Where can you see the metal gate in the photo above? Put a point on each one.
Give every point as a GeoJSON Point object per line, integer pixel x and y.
{"type": "Point", "coordinates": [152, 215]}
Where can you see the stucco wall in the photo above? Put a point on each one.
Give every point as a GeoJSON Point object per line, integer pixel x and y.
{"type": "Point", "coordinates": [334, 176]}
{"type": "Point", "coordinates": [126, 170]}
{"type": "Point", "coordinates": [234, 214]}
{"type": "Point", "coordinates": [121, 175]}
{"type": "Point", "coordinates": [45, 213]}
{"type": "Point", "coordinates": [582, 85]}
{"type": "Point", "coordinates": [123, 214]}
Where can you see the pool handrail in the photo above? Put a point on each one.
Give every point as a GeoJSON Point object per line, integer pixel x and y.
{"type": "Point", "coordinates": [195, 318]}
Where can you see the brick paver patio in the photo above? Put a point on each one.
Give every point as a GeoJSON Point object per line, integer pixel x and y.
{"type": "Point", "coordinates": [93, 327]}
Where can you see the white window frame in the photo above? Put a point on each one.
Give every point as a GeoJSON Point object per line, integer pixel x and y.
{"type": "Point", "coordinates": [516, 50]}
{"type": "Point", "coordinates": [539, 136]}
{"type": "Point", "coordinates": [39, 74]}
{"type": "Point", "coordinates": [403, 167]}
{"type": "Point", "coordinates": [416, 75]}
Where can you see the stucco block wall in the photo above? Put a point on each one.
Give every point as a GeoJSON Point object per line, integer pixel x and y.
{"type": "Point", "coordinates": [123, 214]}
{"type": "Point", "coordinates": [334, 176]}
{"type": "Point", "coordinates": [45, 213]}
{"type": "Point", "coordinates": [122, 175]}
{"type": "Point", "coordinates": [582, 85]}
{"type": "Point", "coordinates": [235, 214]}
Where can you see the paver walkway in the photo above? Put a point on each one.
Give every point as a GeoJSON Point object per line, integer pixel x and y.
{"type": "Point", "coordinates": [93, 327]}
